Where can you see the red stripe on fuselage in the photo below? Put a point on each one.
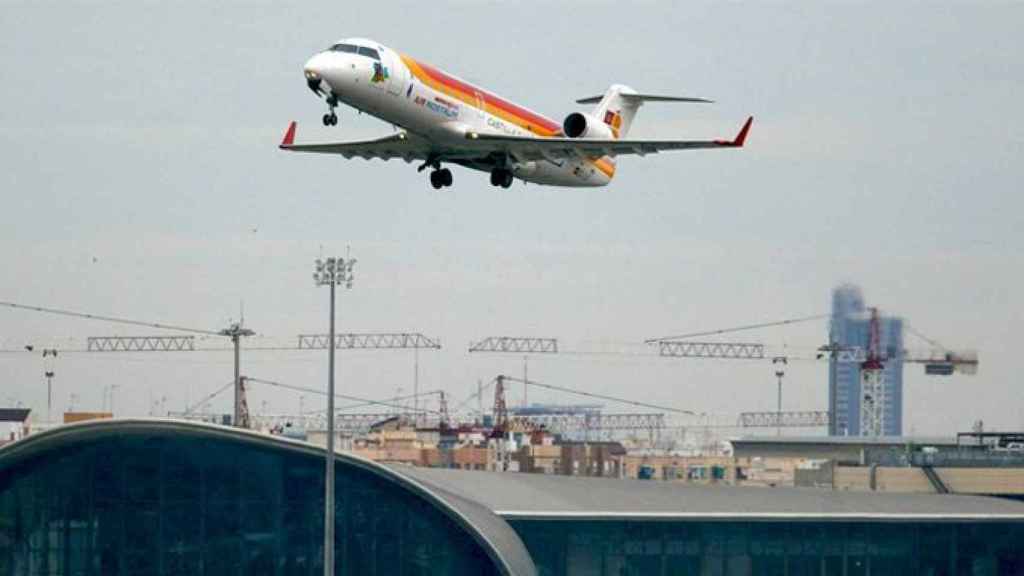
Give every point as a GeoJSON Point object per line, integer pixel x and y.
{"type": "Point", "coordinates": [471, 91]}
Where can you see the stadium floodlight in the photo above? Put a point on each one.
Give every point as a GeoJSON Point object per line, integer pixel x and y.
{"type": "Point", "coordinates": [331, 272]}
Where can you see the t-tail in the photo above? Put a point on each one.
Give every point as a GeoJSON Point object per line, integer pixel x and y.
{"type": "Point", "coordinates": [616, 109]}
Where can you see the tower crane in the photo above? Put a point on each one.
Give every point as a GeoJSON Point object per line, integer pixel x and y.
{"type": "Point", "coordinates": [937, 361]}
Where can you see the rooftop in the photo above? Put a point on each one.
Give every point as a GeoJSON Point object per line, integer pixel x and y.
{"type": "Point", "coordinates": [519, 495]}
{"type": "Point", "coordinates": [849, 440]}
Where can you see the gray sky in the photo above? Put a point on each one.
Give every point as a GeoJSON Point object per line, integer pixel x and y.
{"type": "Point", "coordinates": [885, 150]}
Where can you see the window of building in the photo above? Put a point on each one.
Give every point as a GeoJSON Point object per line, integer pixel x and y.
{"type": "Point", "coordinates": [179, 505]}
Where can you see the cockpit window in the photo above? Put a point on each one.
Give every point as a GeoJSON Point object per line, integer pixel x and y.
{"type": "Point", "coordinates": [353, 49]}
{"type": "Point", "coordinates": [363, 50]}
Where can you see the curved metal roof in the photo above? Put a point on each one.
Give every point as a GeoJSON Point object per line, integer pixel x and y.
{"type": "Point", "coordinates": [538, 496]}
{"type": "Point", "coordinates": [494, 534]}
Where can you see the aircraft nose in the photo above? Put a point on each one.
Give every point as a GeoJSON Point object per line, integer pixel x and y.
{"type": "Point", "coordinates": [314, 71]}
{"type": "Point", "coordinates": [314, 66]}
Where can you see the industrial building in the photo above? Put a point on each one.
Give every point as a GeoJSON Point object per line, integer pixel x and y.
{"type": "Point", "coordinates": [985, 463]}
{"type": "Point", "coordinates": [115, 497]}
{"type": "Point", "coordinates": [851, 327]}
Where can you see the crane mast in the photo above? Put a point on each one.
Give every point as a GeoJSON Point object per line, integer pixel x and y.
{"type": "Point", "coordinates": [872, 383]}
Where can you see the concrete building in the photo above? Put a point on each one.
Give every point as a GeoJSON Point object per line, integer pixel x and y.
{"type": "Point", "coordinates": [166, 497]}
{"type": "Point", "coordinates": [850, 328]}
{"type": "Point", "coordinates": [889, 464]}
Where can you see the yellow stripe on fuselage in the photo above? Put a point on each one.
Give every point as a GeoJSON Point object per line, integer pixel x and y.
{"type": "Point", "coordinates": [473, 97]}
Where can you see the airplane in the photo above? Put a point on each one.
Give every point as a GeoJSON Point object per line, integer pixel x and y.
{"type": "Point", "coordinates": [440, 119]}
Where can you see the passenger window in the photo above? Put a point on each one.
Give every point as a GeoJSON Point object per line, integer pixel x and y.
{"type": "Point", "coordinates": [369, 52]}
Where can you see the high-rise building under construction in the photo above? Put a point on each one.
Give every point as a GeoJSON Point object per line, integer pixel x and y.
{"type": "Point", "coordinates": [849, 401]}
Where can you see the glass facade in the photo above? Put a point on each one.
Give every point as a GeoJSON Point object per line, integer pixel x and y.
{"type": "Point", "coordinates": [661, 548]}
{"type": "Point", "coordinates": [174, 505]}
{"type": "Point", "coordinates": [850, 328]}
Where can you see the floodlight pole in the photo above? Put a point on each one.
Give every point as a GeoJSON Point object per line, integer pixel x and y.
{"type": "Point", "coordinates": [779, 373]}
{"type": "Point", "coordinates": [332, 271]}
{"type": "Point", "coordinates": [49, 385]}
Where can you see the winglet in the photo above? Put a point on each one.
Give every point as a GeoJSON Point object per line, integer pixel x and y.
{"type": "Point", "coordinates": [289, 136]}
{"type": "Point", "coordinates": [740, 138]}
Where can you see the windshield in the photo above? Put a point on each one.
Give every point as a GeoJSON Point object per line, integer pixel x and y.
{"type": "Point", "coordinates": [353, 49]}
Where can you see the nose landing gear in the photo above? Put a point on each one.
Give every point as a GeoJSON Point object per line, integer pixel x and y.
{"type": "Point", "coordinates": [331, 119]}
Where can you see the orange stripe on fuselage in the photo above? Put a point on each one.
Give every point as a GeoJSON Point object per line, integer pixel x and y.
{"type": "Point", "coordinates": [494, 105]}
{"type": "Point", "coordinates": [467, 93]}
{"type": "Point", "coordinates": [605, 164]}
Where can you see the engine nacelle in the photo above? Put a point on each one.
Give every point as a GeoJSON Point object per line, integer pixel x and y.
{"type": "Point", "coordinates": [580, 125]}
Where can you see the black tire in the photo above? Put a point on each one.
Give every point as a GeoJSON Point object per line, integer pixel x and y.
{"type": "Point", "coordinates": [446, 177]}
{"type": "Point", "coordinates": [435, 180]}
{"type": "Point", "coordinates": [495, 179]}
{"type": "Point", "coordinates": [334, 120]}
{"type": "Point", "coordinates": [327, 119]}
{"type": "Point", "coordinates": [506, 180]}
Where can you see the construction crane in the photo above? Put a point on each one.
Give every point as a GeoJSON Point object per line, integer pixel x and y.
{"type": "Point", "coordinates": [937, 361]}
{"type": "Point", "coordinates": [872, 383]}
{"type": "Point", "coordinates": [518, 345]}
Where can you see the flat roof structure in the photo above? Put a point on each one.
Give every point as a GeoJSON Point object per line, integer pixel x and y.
{"type": "Point", "coordinates": [843, 449]}
{"type": "Point", "coordinates": [511, 495]}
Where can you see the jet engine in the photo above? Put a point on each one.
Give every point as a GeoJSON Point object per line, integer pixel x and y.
{"type": "Point", "coordinates": [579, 125]}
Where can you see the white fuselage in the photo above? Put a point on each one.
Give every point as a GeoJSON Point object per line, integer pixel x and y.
{"type": "Point", "coordinates": [443, 109]}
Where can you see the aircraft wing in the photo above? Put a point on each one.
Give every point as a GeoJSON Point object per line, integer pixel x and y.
{"type": "Point", "coordinates": [527, 148]}
{"type": "Point", "coordinates": [399, 145]}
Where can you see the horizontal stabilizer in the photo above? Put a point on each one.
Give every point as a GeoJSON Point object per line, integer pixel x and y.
{"type": "Point", "coordinates": [640, 98]}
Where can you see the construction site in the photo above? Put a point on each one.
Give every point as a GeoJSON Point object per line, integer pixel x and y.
{"type": "Point", "coordinates": [497, 429]}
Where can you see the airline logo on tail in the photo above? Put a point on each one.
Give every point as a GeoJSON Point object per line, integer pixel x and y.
{"type": "Point", "coordinates": [614, 121]}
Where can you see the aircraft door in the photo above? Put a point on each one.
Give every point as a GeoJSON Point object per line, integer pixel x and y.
{"type": "Point", "coordinates": [397, 74]}
{"type": "Point", "coordinates": [481, 107]}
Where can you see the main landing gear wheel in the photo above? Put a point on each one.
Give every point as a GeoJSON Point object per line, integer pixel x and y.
{"type": "Point", "coordinates": [501, 177]}
{"type": "Point", "coordinates": [441, 178]}
{"type": "Point", "coordinates": [330, 119]}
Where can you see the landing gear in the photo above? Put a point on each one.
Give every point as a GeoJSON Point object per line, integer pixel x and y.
{"type": "Point", "coordinates": [331, 119]}
{"type": "Point", "coordinates": [441, 178]}
{"type": "Point", "coordinates": [501, 177]}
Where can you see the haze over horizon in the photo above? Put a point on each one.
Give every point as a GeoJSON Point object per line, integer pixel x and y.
{"type": "Point", "coordinates": [142, 180]}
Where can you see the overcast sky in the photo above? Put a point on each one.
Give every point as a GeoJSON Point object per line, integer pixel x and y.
{"type": "Point", "coordinates": [141, 179]}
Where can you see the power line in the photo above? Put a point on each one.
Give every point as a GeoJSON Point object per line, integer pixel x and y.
{"type": "Point", "coordinates": [209, 397]}
{"type": "Point", "coordinates": [112, 319]}
{"type": "Point", "coordinates": [374, 402]}
{"type": "Point", "coordinates": [738, 328]}
{"type": "Point", "coordinates": [367, 401]}
{"type": "Point", "coordinates": [600, 396]}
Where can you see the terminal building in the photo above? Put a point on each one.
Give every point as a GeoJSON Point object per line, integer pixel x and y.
{"type": "Point", "coordinates": [165, 497]}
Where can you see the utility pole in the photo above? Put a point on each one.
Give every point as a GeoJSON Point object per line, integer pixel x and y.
{"type": "Point", "coordinates": [332, 272]}
{"type": "Point", "coordinates": [236, 332]}
{"type": "Point", "coordinates": [525, 379]}
{"type": "Point", "coordinates": [416, 385]}
{"type": "Point", "coordinates": [779, 373]}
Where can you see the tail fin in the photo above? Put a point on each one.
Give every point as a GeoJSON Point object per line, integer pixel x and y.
{"type": "Point", "coordinates": [619, 105]}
